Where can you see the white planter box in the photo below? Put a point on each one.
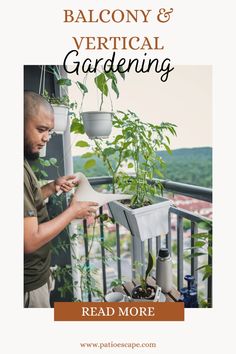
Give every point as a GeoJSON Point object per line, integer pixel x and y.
{"type": "Point", "coordinates": [97, 124]}
{"type": "Point", "coordinates": [60, 118]}
{"type": "Point", "coordinates": [146, 222]}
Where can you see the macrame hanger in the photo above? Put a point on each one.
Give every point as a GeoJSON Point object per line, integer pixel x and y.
{"type": "Point", "coordinates": [83, 94]}
{"type": "Point", "coordinates": [112, 108]}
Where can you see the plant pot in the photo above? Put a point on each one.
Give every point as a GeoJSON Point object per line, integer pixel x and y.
{"type": "Point", "coordinates": [97, 124]}
{"type": "Point", "coordinates": [145, 222]}
{"type": "Point", "coordinates": [151, 297]}
{"type": "Point", "coordinates": [60, 118]}
{"type": "Point", "coordinates": [138, 294]}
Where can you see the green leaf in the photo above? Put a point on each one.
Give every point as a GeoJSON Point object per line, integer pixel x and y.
{"type": "Point", "coordinates": [66, 82]}
{"type": "Point", "coordinates": [200, 235]}
{"type": "Point", "coordinates": [53, 161]}
{"type": "Point", "coordinates": [207, 274]}
{"type": "Point", "coordinates": [76, 126]}
{"type": "Point", "coordinates": [202, 267]}
{"type": "Point", "coordinates": [82, 143]}
{"type": "Point", "coordinates": [168, 149]}
{"type": "Point", "coordinates": [117, 138]}
{"type": "Point", "coordinates": [35, 168]}
{"type": "Point", "coordinates": [120, 71]}
{"type": "Point", "coordinates": [199, 244]}
{"type": "Point", "coordinates": [100, 82]}
{"type": "Point", "coordinates": [207, 225]}
{"type": "Point", "coordinates": [109, 151]}
{"type": "Point", "coordinates": [43, 173]}
{"type": "Point", "coordinates": [168, 139]}
{"type": "Point", "coordinates": [158, 172]}
{"type": "Point", "coordinates": [89, 164]}
{"type": "Point", "coordinates": [87, 154]}
{"type": "Point", "coordinates": [150, 265]}
{"type": "Point", "coordinates": [82, 86]}
{"type": "Point", "coordinates": [111, 75]}
{"type": "Point", "coordinates": [45, 163]}
{"type": "Point", "coordinates": [143, 283]}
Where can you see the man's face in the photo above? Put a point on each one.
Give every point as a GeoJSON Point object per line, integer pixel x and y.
{"type": "Point", "coordinates": [37, 132]}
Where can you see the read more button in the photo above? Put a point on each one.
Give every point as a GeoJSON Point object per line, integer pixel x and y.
{"type": "Point", "coordinates": [119, 311]}
{"type": "Point", "coordinates": [92, 311]}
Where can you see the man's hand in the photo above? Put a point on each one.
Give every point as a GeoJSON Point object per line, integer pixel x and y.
{"type": "Point", "coordinates": [66, 183]}
{"type": "Point", "coordinates": [83, 210]}
{"type": "Point", "coordinates": [63, 184]}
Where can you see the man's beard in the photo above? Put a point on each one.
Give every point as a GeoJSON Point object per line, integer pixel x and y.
{"type": "Point", "coordinates": [28, 154]}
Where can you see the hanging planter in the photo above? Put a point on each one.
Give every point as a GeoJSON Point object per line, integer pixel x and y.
{"type": "Point", "coordinates": [97, 124]}
{"type": "Point", "coordinates": [145, 222]}
{"type": "Point", "coordinates": [60, 118]}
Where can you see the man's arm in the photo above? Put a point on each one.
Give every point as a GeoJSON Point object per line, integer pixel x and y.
{"type": "Point", "coordinates": [36, 236]}
{"type": "Point", "coordinates": [48, 189]}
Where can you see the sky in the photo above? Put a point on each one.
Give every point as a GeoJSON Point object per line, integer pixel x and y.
{"type": "Point", "coordinates": [185, 99]}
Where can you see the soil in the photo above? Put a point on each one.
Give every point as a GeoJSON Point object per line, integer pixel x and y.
{"type": "Point", "coordinates": [127, 203]}
{"type": "Point", "coordinates": [139, 293]}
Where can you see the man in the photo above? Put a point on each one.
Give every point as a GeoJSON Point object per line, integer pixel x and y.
{"type": "Point", "coordinates": [38, 229]}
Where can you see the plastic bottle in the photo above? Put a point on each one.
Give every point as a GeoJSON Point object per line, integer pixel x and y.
{"type": "Point", "coordinates": [164, 270]}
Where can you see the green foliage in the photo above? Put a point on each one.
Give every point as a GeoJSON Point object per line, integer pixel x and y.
{"type": "Point", "coordinates": [203, 246]}
{"type": "Point", "coordinates": [63, 274]}
{"type": "Point", "coordinates": [87, 269]}
{"type": "Point", "coordinates": [137, 145]}
{"type": "Point", "coordinates": [89, 164]}
{"type": "Point", "coordinates": [82, 143]}
{"type": "Point", "coordinates": [143, 281]}
{"type": "Point", "coordinates": [186, 224]}
{"type": "Point", "coordinates": [102, 82]}
{"type": "Point", "coordinates": [82, 87]}
{"type": "Point", "coordinates": [40, 166]}
{"type": "Point", "coordinates": [61, 100]}
{"type": "Point", "coordinates": [77, 126]}
{"type": "Point", "coordinates": [64, 82]}
{"type": "Point", "coordinates": [116, 282]}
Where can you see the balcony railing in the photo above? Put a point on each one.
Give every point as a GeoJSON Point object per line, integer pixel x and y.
{"type": "Point", "coordinates": [139, 247]}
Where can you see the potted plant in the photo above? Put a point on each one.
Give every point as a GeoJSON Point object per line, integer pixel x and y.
{"type": "Point", "coordinates": [98, 124]}
{"type": "Point", "coordinates": [61, 106]}
{"type": "Point", "coordinates": [135, 148]}
{"type": "Point", "coordinates": [144, 291]}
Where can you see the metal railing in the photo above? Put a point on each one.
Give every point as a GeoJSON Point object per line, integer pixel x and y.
{"type": "Point", "coordinates": [139, 247]}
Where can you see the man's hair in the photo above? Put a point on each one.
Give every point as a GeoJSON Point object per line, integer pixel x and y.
{"type": "Point", "coordinates": [32, 102]}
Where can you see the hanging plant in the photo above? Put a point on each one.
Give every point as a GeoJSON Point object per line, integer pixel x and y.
{"type": "Point", "coordinates": [98, 124]}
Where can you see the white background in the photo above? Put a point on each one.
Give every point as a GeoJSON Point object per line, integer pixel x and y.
{"type": "Point", "coordinates": [201, 32]}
